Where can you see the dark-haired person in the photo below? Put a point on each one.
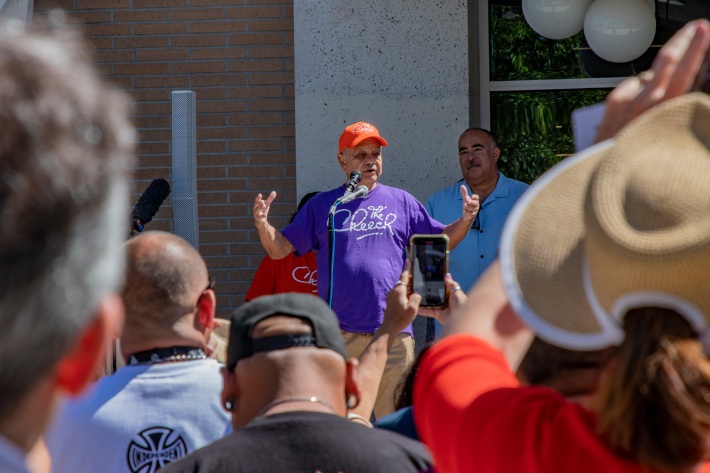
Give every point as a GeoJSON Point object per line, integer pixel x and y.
{"type": "Point", "coordinates": [478, 153]}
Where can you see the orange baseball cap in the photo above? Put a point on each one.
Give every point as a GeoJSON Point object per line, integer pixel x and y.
{"type": "Point", "coordinates": [358, 132]}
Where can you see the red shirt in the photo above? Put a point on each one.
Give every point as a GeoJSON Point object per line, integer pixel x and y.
{"type": "Point", "coordinates": [473, 415]}
{"type": "Point", "coordinates": [289, 274]}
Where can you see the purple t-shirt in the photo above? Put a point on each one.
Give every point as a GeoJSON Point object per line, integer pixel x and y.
{"type": "Point", "coordinates": [370, 241]}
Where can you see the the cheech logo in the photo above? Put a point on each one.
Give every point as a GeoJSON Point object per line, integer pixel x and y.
{"type": "Point", "coordinates": [370, 222]}
{"type": "Point", "coordinates": [154, 448]}
{"type": "Point", "coordinates": [303, 275]}
{"type": "Point", "coordinates": [364, 128]}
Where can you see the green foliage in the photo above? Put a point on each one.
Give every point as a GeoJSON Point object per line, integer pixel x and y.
{"type": "Point", "coordinates": [518, 53]}
{"type": "Point", "coordinates": [524, 113]}
{"type": "Point", "coordinates": [529, 156]}
{"type": "Point", "coordinates": [534, 129]}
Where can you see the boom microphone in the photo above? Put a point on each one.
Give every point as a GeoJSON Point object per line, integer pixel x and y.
{"type": "Point", "coordinates": [355, 178]}
{"type": "Point", "coordinates": [359, 192]}
{"type": "Point", "coordinates": [149, 203]}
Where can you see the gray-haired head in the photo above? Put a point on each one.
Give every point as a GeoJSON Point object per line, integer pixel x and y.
{"type": "Point", "coordinates": [65, 146]}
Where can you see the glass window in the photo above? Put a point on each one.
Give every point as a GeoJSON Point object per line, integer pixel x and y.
{"type": "Point", "coordinates": [534, 129]}
{"type": "Point", "coordinates": [518, 53]}
{"type": "Point", "coordinates": [530, 84]}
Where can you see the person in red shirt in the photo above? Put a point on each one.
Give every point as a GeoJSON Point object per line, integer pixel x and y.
{"type": "Point", "coordinates": [608, 249]}
{"type": "Point", "coordinates": [290, 274]}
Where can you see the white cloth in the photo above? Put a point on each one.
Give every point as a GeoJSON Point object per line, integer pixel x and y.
{"type": "Point", "coordinates": [139, 419]}
{"type": "Point", "coordinates": [12, 458]}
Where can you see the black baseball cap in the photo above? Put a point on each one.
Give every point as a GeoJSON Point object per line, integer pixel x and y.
{"type": "Point", "coordinates": [326, 330]}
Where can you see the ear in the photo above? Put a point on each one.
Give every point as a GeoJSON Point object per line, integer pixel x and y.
{"type": "Point", "coordinates": [206, 307]}
{"type": "Point", "coordinates": [229, 386]}
{"type": "Point", "coordinates": [496, 153]}
{"type": "Point", "coordinates": [352, 386]}
{"type": "Point", "coordinates": [342, 160]}
{"type": "Point", "coordinates": [76, 368]}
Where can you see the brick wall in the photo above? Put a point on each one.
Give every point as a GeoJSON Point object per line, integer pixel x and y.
{"type": "Point", "coordinates": [237, 55]}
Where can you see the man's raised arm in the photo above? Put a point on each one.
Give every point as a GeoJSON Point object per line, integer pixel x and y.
{"type": "Point", "coordinates": [273, 241]}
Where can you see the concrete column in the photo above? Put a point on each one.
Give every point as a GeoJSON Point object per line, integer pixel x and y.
{"type": "Point", "coordinates": [402, 65]}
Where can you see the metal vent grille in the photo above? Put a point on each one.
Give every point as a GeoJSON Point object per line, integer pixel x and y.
{"type": "Point", "coordinates": [185, 166]}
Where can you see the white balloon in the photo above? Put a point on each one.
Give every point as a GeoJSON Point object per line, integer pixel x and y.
{"type": "Point", "coordinates": [555, 19]}
{"type": "Point", "coordinates": [619, 30]}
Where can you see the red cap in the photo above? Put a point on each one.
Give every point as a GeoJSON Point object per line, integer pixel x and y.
{"type": "Point", "coordinates": [358, 132]}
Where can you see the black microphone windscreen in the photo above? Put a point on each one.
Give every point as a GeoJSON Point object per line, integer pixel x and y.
{"type": "Point", "coordinates": [355, 178]}
{"type": "Point", "coordinates": [150, 200]}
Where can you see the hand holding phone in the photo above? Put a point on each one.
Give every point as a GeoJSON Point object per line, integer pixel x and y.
{"type": "Point", "coordinates": [429, 255]}
{"type": "Point", "coordinates": [457, 298]}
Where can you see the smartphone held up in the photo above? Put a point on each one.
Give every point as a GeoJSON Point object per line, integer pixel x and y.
{"type": "Point", "coordinates": [429, 255]}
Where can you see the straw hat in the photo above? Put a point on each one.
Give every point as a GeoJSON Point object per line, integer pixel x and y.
{"type": "Point", "coordinates": [624, 224]}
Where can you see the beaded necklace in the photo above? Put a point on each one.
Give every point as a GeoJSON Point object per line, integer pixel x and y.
{"type": "Point", "coordinates": [166, 355]}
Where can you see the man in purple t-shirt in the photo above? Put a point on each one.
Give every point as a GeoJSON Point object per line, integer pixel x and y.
{"type": "Point", "coordinates": [370, 237]}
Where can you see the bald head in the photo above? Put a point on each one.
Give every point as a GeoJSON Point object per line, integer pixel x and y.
{"type": "Point", "coordinates": [165, 278]}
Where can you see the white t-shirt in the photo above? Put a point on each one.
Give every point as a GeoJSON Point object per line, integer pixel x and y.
{"type": "Point", "coordinates": [139, 419]}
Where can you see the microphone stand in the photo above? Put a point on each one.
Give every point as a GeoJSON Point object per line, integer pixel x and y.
{"type": "Point", "coordinates": [331, 250]}
{"type": "Point", "coordinates": [355, 178]}
{"type": "Point", "coordinates": [331, 233]}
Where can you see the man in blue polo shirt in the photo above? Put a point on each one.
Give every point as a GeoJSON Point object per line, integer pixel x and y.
{"type": "Point", "coordinates": [478, 157]}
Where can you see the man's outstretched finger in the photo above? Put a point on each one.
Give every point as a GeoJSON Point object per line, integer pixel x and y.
{"type": "Point", "coordinates": [464, 192]}
{"type": "Point", "coordinates": [271, 198]}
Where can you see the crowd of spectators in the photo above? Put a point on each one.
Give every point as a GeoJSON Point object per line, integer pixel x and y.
{"type": "Point", "coordinates": [581, 346]}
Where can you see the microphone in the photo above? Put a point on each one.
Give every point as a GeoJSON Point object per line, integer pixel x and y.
{"type": "Point", "coordinates": [359, 192]}
{"type": "Point", "coordinates": [149, 203]}
{"type": "Point", "coordinates": [355, 178]}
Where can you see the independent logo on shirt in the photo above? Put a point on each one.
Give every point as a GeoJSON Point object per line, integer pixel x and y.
{"type": "Point", "coordinates": [154, 448]}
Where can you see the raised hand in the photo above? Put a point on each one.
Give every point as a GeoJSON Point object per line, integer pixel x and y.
{"type": "Point", "coordinates": [471, 205]}
{"type": "Point", "coordinates": [260, 211]}
{"type": "Point", "coordinates": [401, 308]}
{"type": "Point", "coordinates": [457, 297]}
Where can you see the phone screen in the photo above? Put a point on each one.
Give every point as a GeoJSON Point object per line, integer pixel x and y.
{"type": "Point", "coordinates": [429, 266]}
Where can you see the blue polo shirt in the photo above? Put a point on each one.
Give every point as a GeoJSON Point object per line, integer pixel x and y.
{"type": "Point", "coordinates": [480, 246]}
